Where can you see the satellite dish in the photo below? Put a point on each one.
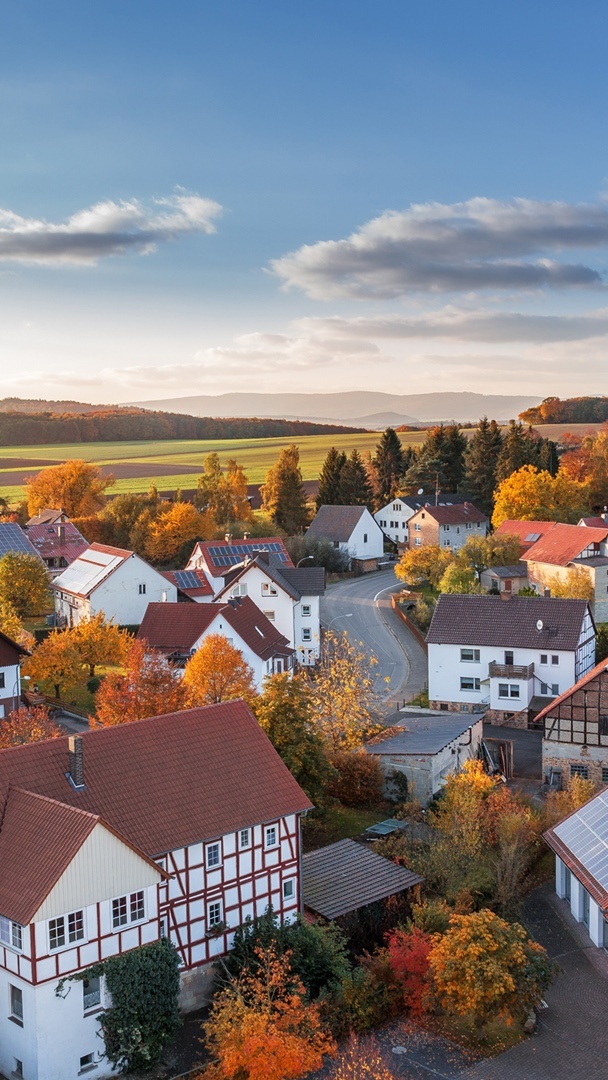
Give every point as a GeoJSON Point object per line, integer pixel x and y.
{"type": "Point", "coordinates": [420, 491]}
{"type": "Point", "coordinates": [540, 624]}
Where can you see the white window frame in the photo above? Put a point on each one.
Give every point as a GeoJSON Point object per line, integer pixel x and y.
{"type": "Point", "coordinates": [244, 839]}
{"type": "Point", "coordinates": [141, 588]}
{"type": "Point", "coordinates": [217, 844]}
{"type": "Point", "coordinates": [11, 934]}
{"type": "Point", "coordinates": [217, 918]}
{"type": "Point", "coordinates": [474, 658]}
{"type": "Point", "coordinates": [71, 937]}
{"type": "Point", "coordinates": [268, 589]}
{"type": "Point", "coordinates": [474, 689]}
{"type": "Point", "coordinates": [306, 633]}
{"type": "Point", "coordinates": [240, 589]}
{"type": "Point", "coordinates": [16, 1014]}
{"type": "Point", "coordinates": [118, 923]}
{"type": "Point", "coordinates": [270, 615]}
{"type": "Point", "coordinates": [275, 843]}
{"type": "Point", "coordinates": [289, 884]}
{"type": "Point", "coordinates": [306, 611]}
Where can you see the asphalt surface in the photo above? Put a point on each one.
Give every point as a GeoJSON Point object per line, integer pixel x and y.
{"type": "Point", "coordinates": [361, 608]}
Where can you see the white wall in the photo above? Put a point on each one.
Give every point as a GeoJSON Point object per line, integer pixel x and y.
{"type": "Point", "coordinates": [595, 926]}
{"type": "Point", "coordinates": [9, 693]}
{"type": "Point", "coordinates": [393, 519]}
{"type": "Point", "coordinates": [446, 669]}
{"type": "Point", "coordinates": [288, 614]}
{"type": "Point", "coordinates": [361, 548]}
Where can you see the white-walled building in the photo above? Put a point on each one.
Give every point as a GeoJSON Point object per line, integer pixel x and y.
{"type": "Point", "coordinates": [178, 630]}
{"type": "Point", "coordinates": [580, 843]}
{"type": "Point", "coordinates": [217, 557]}
{"type": "Point", "coordinates": [352, 530]}
{"type": "Point", "coordinates": [394, 517]}
{"type": "Point", "coordinates": [504, 654]}
{"type": "Point", "coordinates": [10, 674]}
{"type": "Point", "coordinates": [111, 580]}
{"type": "Point", "coordinates": [288, 597]}
{"type": "Point", "coordinates": [446, 526]}
{"type": "Point", "coordinates": [179, 826]}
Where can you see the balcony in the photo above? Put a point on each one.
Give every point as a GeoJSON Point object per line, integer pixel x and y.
{"type": "Point", "coordinates": [510, 671]}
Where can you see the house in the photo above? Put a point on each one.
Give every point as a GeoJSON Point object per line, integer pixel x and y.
{"type": "Point", "coordinates": [527, 532]}
{"type": "Point", "coordinates": [288, 596]}
{"type": "Point", "coordinates": [49, 516]}
{"type": "Point", "coordinates": [507, 655]}
{"type": "Point", "coordinates": [58, 544]}
{"type": "Point", "coordinates": [596, 522]}
{"type": "Point", "coordinates": [216, 557]}
{"type": "Point", "coordinates": [352, 530]}
{"type": "Point", "coordinates": [564, 547]}
{"type": "Point", "coordinates": [14, 539]}
{"type": "Point", "coordinates": [507, 579]}
{"type": "Point", "coordinates": [179, 826]}
{"type": "Point", "coordinates": [111, 580]}
{"type": "Point", "coordinates": [575, 738]}
{"type": "Point", "coordinates": [394, 517]}
{"type": "Point", "coordinates": [426, 746]}
{"type": "Point", "coordinates": [10, 674]}
{"type": "Point", "coordinates": [580, 844]}
{"type": "Point", "coordinates": [446, 526]}
{"type": "Point", "coordinates": [178, 630]}
{"type": "Point", "coordinates": [191, 585]}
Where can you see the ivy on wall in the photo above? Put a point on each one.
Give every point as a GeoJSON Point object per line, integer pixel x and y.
{"type": "Point", "coordinates": [143, 1016]}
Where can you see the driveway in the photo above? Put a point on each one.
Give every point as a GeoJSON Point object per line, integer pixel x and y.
{"type": "Point", "coordinates": [361, 607]}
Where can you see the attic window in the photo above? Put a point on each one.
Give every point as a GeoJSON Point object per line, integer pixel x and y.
{"type": "Point", "coordinates": [532, 538]}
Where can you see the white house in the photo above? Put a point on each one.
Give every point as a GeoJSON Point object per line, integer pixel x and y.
{"type": "Point", "coordinates": [351, 529]}
{"type": "Point", "coordinates": [393, 518]}
{"type": "Point", "coordinates": [288, 597]}
{"type": "Point", "coordinates": [10, 674]}
{"type": "Point", "coordinates": [178, 630]}
{"type": "Point", "coordinates": [181, 826]}
{"type": "Point", "coordinates": [580, 843]}
{"type": "Point", "coordinates": [191, 585]}
{"type": "Point", "coordinates": [507, 655]}
{"type": "Point", "coordinates": [217, 557]}
{"type": "Point", "coordinates": [111, 580]}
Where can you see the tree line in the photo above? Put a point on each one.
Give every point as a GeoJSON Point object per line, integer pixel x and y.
{"type": "Point", "coordinates": [581, 410]}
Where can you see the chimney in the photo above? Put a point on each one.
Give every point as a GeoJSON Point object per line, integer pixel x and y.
{"type": "Point", "coordinates": [246, 535]}
{"type": "Point", "coordinates": [505, 595]}
{"type": "Point", "coordinates": [76, 758]}
{"type": "Point", "coordinates": [228, 537]}
{"type": "Point", "coordinates": [61, 532]}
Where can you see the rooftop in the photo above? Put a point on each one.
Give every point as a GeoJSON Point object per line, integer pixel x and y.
{"type": "Point", "coordinates": [519, 569]}
{"type": "Point", "coordinates": [345, 876]}
{"type": "Point", "coordinates": [57, 540]}
{"type": "Point", "coordinates": [563, 543]}
{"type": "Point", "coordinates": [581, 841]}
{"type": "Point", "coordinates": [422, 733]}
{"type": "Point", "coordinates": [554, 704]}
{"type": "Point", "coordinates": [91, 568]}
{"type": "Point", "coordinates": [176, 628]}
{"type": "Point", "coordinates": [191, 583]}
{"type": "Point", "coordinates": [13, 538]}
{"type": "Point", "coordinates": [527, 532]}
{"type": "Point", "coordinates": [336, 522]}
{"type": "Point", "coordinates": [459, 514]}
{"type": "Point", "coordinates": [220, 554]}
{"type": "Point", "coordinates": [524, 622]}
{"type": "Point", "coordinates": [295, 581]}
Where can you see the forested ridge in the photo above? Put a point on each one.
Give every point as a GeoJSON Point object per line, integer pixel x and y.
{"type": "Point", "coordinates": [581, 410]}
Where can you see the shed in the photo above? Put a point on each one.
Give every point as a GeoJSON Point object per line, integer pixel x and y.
{"type": "Point", "coordinates": [343, 877]}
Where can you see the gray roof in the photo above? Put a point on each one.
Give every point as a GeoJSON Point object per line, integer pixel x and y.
{"type": "Point", "coordinates": [445, 498]}
{"type": "Point", "coordinates": [426, 733]}
{"type": "Point", "coordinates": [295, 581]}
{"type": "Point", "coordinates": [345, 876]}
{"type": "Point", "coordinates": [507, 623]}
{"type": "Point", "coordinates": [308, 580]}
{"type": "Point", "coordinates": [595, 560]}
{"type": "Point", "coordinates": [336, 522]}
{"type": "Point", "coordinates": [519, 569]}
{"type": "Point", "coordinates": [13, 539]}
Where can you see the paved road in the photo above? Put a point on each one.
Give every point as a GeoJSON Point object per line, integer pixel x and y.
{"type": "Point", "coordinates": [372, 621]}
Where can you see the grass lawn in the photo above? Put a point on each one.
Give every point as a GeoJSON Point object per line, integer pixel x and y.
{"type": "Point", "coordinates": [339, 823]}
{"type": "Point", "coordinates": [80, 696]}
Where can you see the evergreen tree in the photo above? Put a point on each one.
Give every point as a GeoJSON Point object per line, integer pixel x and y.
{"type": "Point", "coordinates": [481, 459]}
{"type": "Point", "coordinates": [355, 489]}
{"type": "Point", "coordinates": [441, 460]}
{"type": "Point", "coordinates": [283, 494]}
{"type": "Point", "coordinates": [520, 447]}
{"type": "Point", "coordinates": [387, 468]}
{"type": "Point", "coordinates": [330, 479]}
{"type": "Point", "coordinates": [548, 458]}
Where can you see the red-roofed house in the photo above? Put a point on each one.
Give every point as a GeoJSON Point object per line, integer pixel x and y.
{"type": "Point", "coordinates": [191, 585]}
{"type": "Point", "coordinates": [563, 547]}
{"type": "Point", "coordinates": [58, 544]}
{"type": "Point", "coordinates": [178, 630]}
{"type": "Point", "coordinates": [527, 532]}
{"type": "Point", "coordinates": [111, 580]}
{"type": "Point", "coordinates": [180, 826]}
{"type": "Point", "coordinates": [217, 557]}
{"type": "Point", "coordinates": [575, 740]}
{"type": "Point", "coordinates": [446, 526]}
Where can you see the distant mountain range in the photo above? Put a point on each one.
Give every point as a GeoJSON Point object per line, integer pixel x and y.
{"type": "Point", "coordinates": [359, 408]}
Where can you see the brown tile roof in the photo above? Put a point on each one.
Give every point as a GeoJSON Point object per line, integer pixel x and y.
{"type": "Point", "coordinates": [166, 782]}
{"type": "Point", "coordinates": [336, 522]}
{"type": "Point", "coordinates": [189, 582]}
{"type": "Point", "coordinates": [345, 876]}
{"type": "Point", "coordinates": [563, 543]}
{"type": "Point", "coordinates": [451, 515]}
{"type": "Point", "coordinates": [175, 628]}
{"type": "Point", "coordinates": [512, 623]}
{"type": "Point", "coordinates": [51, 544]}
{"type": "Point", "coordinates": [584, 681]}
{"type": "Point", "coordinates": [527, 532]}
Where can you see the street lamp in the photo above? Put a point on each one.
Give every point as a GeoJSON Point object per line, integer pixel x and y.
{"type": "Point", "coordinates": [20, 678]}
{"type": "Point", "coordinates": [305, 559]}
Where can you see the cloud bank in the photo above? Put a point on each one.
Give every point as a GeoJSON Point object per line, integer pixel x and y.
{"type": "Point", "coordinates": [481, 244]}
{"type": "Point", "coordinates": [105, 229]}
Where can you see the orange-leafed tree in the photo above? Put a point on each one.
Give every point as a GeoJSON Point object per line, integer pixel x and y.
{"type": "Point", "coordinates": [78, 487]}
{"type": "Point", "coordinates": [218, 672]}
{"type": "Point", "coordinates": [486, 968]}
{"type": "Point", "coordinates": [262, 1027]}
{"type": "Point", "coordinates": [55, 663]}
{"type": "Point", "coordinates": [150, 686]}
{"type": "Point", "coordinates": [11, 625]}
{"type": "Point", "coordinates": [24, 583]}
{"type": "Point", "coordinates": [176, 528]}
{"type": "Point", "coordinates": [27, 726]}
{"type": "Point", "coordinates": [98, 641]}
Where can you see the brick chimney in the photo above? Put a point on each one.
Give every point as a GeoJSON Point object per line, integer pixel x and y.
{"type": "Point", "coordinates": [61, 532]}
{"type": "Point", "coordinates": [228, 537]}
{"type": "Point", "coordinates": [505, 595]}
{"type": "Point", "coordinates": [246, 535]}
{"type": "Point", "coordinates": [76, 759]}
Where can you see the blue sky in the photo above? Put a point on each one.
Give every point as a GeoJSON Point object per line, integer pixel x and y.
{"type": "Point", "coordinates": [204, 197]}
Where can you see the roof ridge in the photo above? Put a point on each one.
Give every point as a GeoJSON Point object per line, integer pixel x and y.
{"type": "Point", "coordinates": [56, 802]}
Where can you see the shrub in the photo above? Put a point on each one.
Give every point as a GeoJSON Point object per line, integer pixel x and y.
{"type": "Point", "coordinates": [360, 779]}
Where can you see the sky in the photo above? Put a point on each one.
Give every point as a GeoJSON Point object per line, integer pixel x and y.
{"type": "Point", "coordinates": [198, 198]}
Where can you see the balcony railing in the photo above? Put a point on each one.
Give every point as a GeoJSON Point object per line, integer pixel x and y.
{"type": "Point", "coordinates": [510, 671]}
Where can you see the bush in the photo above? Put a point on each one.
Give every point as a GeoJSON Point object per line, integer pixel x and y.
{"type": "Point", "coordinates": [323, 553]}
{"type": "Point", "coordinates": [362, 1001]}
{"type": "Point", "coordinates": [422, 613]}
{"type": "Point", "coordinates": [360, 778]}
{"type": "Point", "coordinates": [94, 683]}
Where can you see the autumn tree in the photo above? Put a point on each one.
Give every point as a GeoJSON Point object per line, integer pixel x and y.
{"type": "Point", "coordinates": [12, 626]}
{"type": "Point", "coordinates": [481, 552]}
{"type": "Point", "coordinates": [344, 694]}
{"type": "Point", "coordinates": [150, 686]}
{"type": "Point", "coordinates": [119, 518]}
{"type": "Point", "coordinates": [99, 641]}
{"type": "Point", "coordinates": [78, 487]}
{"type": "Point", "coordinates": [218, 672]}
{"type": "Point", "coordinates": [284, 711]}
{"type": "Point", "coordinates": [481, 460]}
{"type": "Point", "coordinates": [262, 1027]}
{"type": "Point", "coordinates": [223, 494]}
{"type": "Point", "coordinates": [55, 663]}
{"type": "Point", "coordinates": [283, 494]}
{"type": "Point", "coordinates": [173, 531]}
{"type": "Point", "coordinates": [588, 464]}
{"type": "Point", "coordinates": [427, 563]}
{"type": "Point", "coordinates": [558, 804]}
{"type": "Point", "coordinates": [574, 584]}
{"type": "Point", "coordinates": [484, 967]}
{"type": "Point", "coordinates": [27, 726]}
{"type": "Point", "coordinates": [408, 960]}
{"type": "Point", "coordinates": [330, 478]}
{"type": "Point", "coordinates": [459, 578]}
{"type": "Point", "coordinates": [24, 583]}
{"type": "Point", "coordinates": [530, 495]}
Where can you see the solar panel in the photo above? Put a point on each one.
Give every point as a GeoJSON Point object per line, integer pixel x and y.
{"type": "Point", "coordinates": [585, 834]}
{"type": "Point", "coordinates": [532, 537]}
{"type": "Point", "coordinates": [12, 538]}
{"type": "Point", "coordinates": [187, 579]}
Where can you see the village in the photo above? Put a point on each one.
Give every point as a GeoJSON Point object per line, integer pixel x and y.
{"type": "Point", "coordinates": [323, 785]}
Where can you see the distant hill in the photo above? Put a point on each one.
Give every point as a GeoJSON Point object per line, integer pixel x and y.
{"type": "Point", "coordinates": [358, 407]}
{"type": "Point", "coordinates": [38, 405]}
{"type": "Point", "coordinates": [583, 410]}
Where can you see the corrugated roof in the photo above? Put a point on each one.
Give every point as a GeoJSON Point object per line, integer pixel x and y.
{"type": "Point", "coordinates": [337, 522]}
{"type": "Point", "coordinates": [452, 515]}
{"type": "Point", "coordinates": [563, 543]}
{"type": "Point", "coordinates": [507, 623]}
{"type": "Point", "coordinates": [422, 734]}
{"type": "Point", "coordinates": [345, 876]}
{"type": "Point", "coordinates": [90, 569]}
{"type": "Point", "coordinates": [175, 628]}
{"type": "Point", "coordinates": [581, 841]}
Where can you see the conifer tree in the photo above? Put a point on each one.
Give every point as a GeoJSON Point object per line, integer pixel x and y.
{"type": "Point", "coordinates": [387, 468]}
{"type": "Point", "coordinates": [481, 459]}
{"type": "Point", "coordinates": [330, 479]}
{"type": "Point", "coordinates": [519, 448]}
{"type": "Point", "coordinates": [283, 494]}
{"type": "Point", "coordinates": [355, 488]}
{"type": "Point", "coordinates": [440, 461]}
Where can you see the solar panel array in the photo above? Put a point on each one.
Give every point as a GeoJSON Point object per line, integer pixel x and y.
{"type": "Point", "coordinates": [585, 834]}
{"type": "Point", "coordinates": [187, 579]}
{"type": "Point", "coordinates": [12, 538]}
{"type": "Point", "coordinates": [231, 554]}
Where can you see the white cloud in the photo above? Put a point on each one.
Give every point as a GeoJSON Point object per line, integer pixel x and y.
{"type": "Point", "coordinates": [476, 245]}
{"type": "Point", "coordinates": [107, 228]}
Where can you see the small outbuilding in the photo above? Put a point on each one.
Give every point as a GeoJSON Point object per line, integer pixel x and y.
{"type": "Point", "coordinates": [342, 878]}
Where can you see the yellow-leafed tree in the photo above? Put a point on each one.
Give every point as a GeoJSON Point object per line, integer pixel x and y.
{"type": "Point", "coordinates": [174, 529]}
{"type": "Point", "coordinates": [55, 663]}
{"type": "Point", "coordinates": [98, 641]}
{"type": "Point", "coordinates": [78, 487]}
{"type": "Point", "coordinates": [534, 495]}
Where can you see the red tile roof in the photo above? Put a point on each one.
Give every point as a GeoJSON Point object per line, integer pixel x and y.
{"type": "Point", "coordinates": [593, 522]}
{"type": "Point", "coordinates": [166, 782]}
{"type": "Point", "coordinates": [50, 543]}
{"type": "Point", "coordinates": [451, 515]}
{"type": "Point", "coordinates": [563, 543]}
{"type": "Point", "coordinates": [175, 628]}
{"type": "Point", "coordinates": [220, 555]}
{"type": "Point", "coordinates": [527, 532]}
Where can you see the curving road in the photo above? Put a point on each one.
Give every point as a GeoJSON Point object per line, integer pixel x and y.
{"type": "Point", "coordinates": [372, 622]}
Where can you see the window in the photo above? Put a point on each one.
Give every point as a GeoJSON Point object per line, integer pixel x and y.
{"type": "Point", "coordinates": [213, 855]}
{"type": "Point", "coordinates": [306, 634]}
{"type": "Point", "coordinates": [244, 838]}
{"type": "Point", "coordinates": [417, 527]}
{"type": "Point", "coordinates": [503, 689]}
{"type": "Point", "coordinates": [469, 656]}
{"type": "Point", "coordinates": [336, 543]}
{"type": "Point", "coordinates": [447, 543]}
{"type": "Point", "coordinates": [365, 538]}
{"type": "Point", "coordinates": [306, 611]}
{"type": "Point", "coordinates": [603, 731]}
{"type": "Point", "coordinates": [137, 906]}
{"type": "Point", "coordinates": [580, 770]}
{"type": "Point", "coordinates": [468, 683]}
{"type": "Point", "coordinates": [269, 615]}
{"type": "Point", "coordinates": [18, 1067]}
{"type": "Point", "coordinates": [214, 914]}
{"type": "Point", "coordinates": [16, 1000]}
{"type": "Point", "coordinates": [127, 909]}
{"type": "Point", "coordinates": [57, 930]}
{"type": "Point", "coordinates": [87, 1063]}
{"type": "Point", "coordinates": [604, 775]}
{"type": "Point", "coordinates": [240, 589]}
{"type": "Point", "coordinates": [75, 926]}
{"type": "Point", "coordinates": [11, 933]}
{"type": "Point", "coordinates": [509, 657]}
{"type": "Point", "coordinates": [555, 689]}
{"type": "Point", "coordinates": [270, 836]}
{"type": "Point", "coordinates": [417, 541]}
{"type": "Point", "coordinates": [119, 912]}
{"type": "Point", "coordinates": [163, 930]}
{"type": "Point", "coordinates": [142, 589]}
{"type": "Point", "coordinates": [91, 994]}
{"type": "Point", "coordinates": [544, 659]}
{"type": "Point", "coordinates": [514, 690]}
{"type": "Point", "coordinates": [269, 590]}
{"type": "Point", "coordinates": [396, 506]}
{"type": "Point", "coordinates": [508, 690]}
{"type": "Point", "coordinates": [289, 889]}
{"type": "Point", "coordinates": [2, 680]}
